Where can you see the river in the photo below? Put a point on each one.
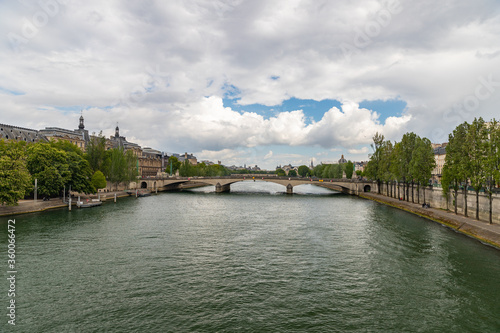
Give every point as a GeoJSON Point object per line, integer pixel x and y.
{"type": "Point", "coordinates": [253, 260]}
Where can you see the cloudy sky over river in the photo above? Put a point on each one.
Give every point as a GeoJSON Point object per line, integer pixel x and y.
{"type": "Point", "coordinates": [267, 82]}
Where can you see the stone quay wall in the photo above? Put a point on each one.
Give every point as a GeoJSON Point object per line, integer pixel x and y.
{"type": "Point", "coordinates": [434, 196]}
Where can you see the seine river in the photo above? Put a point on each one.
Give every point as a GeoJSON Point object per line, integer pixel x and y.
{"type": "Point", "coordinates": [253, 260]}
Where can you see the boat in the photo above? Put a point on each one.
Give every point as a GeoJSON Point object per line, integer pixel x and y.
{"type": "Point", "coordinates": [88, 204]}
{"type": "Point", "coordinates": [143, 193]}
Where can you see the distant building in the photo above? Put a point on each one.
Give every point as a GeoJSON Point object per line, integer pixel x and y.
{"type": "Point", "coordinates": [151, 162]}
{"type": "Point", "coordinates": [360, 166]}
{"type": "Point", "coordinates": [439, 157]}
{"type": "Point", "coordinates": [342, 160]}
{"type": "Point", "coordinates": [9, 132]}
{"type": "Point", "coordinates": [190, 157]}
{"type": "Point", "coordinates": [80, 137]}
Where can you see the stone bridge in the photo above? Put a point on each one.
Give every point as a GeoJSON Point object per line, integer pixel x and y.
{"type": "Point", "coordinates": [223, 184]}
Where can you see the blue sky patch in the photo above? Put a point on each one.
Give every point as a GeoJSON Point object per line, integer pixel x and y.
{"type": "Point", "coordinates": [11, 92]}
{"type": "Point", "coordinates": [389, 108]}
{"type": "Point", "coordinates": [313, 110]}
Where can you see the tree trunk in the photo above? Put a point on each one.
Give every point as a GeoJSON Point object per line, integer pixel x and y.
{"type": "Point", "coordinates": [412, 192]}
{"type": "Point", "coordinates": [491, 209]}
{"type": "Point", "coordinates": [424, 195]}
{"type": "Point", "coordinates": [455, 200]}
{"type": "Point", "coordinates": [490, 197]}
{"type": "Point", "coordinates": [408, 192]}
{"type": "Point", "coordinates": [477, 205]}
{"type": "Point", "coordinates": [418, 193]}
{"type": "Point", "coordinates": [465, 200]}
{"type": "Point", "coordinates": [399, 193]}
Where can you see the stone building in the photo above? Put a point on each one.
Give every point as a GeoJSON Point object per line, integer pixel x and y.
{"type": "Point", "coordinates": [190, 157]}
{"type": "Point", "coordinates": [80, 137]}
{"type": "Point", "coordinates": [439, 157]}
{"type": "Point", "coordinates": [9, 132]}
{"type": "Point", "coordinates": [151, 162]}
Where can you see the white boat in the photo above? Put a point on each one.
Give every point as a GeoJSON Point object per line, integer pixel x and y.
{"type": "Point", "coordinates": [88, 204]}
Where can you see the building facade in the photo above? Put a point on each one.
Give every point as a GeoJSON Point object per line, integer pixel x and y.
{"type": "Point", "coordinates": [80, 137]}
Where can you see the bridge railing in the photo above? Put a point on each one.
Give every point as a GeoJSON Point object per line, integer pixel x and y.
{"type": "Point", "coordinates": [263, 177]}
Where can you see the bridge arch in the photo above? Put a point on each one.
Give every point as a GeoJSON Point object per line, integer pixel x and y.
{"type": "Point", "coordinates": [367, 188]}
{"type": "Point", "coordinates": [144, 185]}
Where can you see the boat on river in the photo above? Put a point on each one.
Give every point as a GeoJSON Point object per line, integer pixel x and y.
{"type": "Point", "coordinates": [88, 204]}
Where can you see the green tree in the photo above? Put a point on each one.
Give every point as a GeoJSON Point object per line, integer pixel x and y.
{"type": "Point", "coordinates": [292, 173]}
{"type": "Point", "coordinates": [50, 181]}
{"type": "Point", "coordinates": [49, 166]}
{"type": "Point", "coordinates": [97, 155]}
{"type": "Point", "coordinates": [174, 161]}
{"type": "Point", "coordinates": [15, 180]}
{"type": "Point", "coordinates": [455, 171]}
{"type": "Point", "coordinates": [79, 167]}
{"type": "Point", "coordinates": [186, 169]}
{"type": "Point", "coordinates": [374, 166]}
{"type": "Point", "coordinates": [280, 172]}
{"type": "Point", "coordinates": [476, 145]}
{"type": "Point", "coordinates": [492, 166]}
{"type": "Point", "coordinates": [422, 163]}
{"type": "Point", "coordinates": [386, 165]}
{"type": "Point", "coordinates": [98, 180]}
{"type": "Point", "coordinates": [348, 169]}
{"type": "Point", "coordinates": [304, 171]}
{"type": "Point", "coordinates": [131, 166]}
{"type": "Point", "coordinates": [117, 167]}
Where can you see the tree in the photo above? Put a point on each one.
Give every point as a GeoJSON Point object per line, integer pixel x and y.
{"type": "Point", "coordinates": [373, 168]}
{"type": "Point", "coordinates": [81, 173]}
{"type": "Point", "coordinates": [15, 180]}
{"type": "Point", "coordinates": [304, 171]}
{"type": "Point", "coordinates": [292, 173]}
{"type": "Point", "coordinates": [492, 166]}
{"type": "Point", "coordinates": [79, 167]}
{"type": "Point", "coordinates": [475, 146]}
{"type": "Point", "coordinates": [131, 166]}
{"type": "Point", "coordinates": [117, 167]}
{"type": "Point", "coordinates": [280, 172]}
{"type": "Point", "coordinates": [386, 164]}
{"type": "Point", "coordinates": [408, 143]}
{"type": "Point", "coordinates": [454, 170]}
{"type": "Point", "coordinates": [98, 180]}
{"type": "Point", "coordinates": [49, 166]}
{"type": "Point", "coordinates": [174, 162]}
{"type": "Point", "coordinates": [422, 163]}
{"type": "Point", "coordinates": [186, 169]}
{"type": "Point", "coordinates": [348, 169]}
{"type": "Point", "coordinates": [97, 155]}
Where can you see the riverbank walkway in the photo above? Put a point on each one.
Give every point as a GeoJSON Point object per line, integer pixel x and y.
{"type": "Point", "coordinates": [30, 206]}
{"type": "Point", "coordinates": [481, 230]}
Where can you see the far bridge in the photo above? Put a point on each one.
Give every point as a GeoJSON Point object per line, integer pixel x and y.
{"type": "Point", "coordinates": [223, 184]}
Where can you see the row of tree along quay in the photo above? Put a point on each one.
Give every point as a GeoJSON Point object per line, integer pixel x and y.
{"type": "Point", "coordinates": [408, 162]}
{"type": "Point", "coordinates": [59, 166]}
{"type": "Point", "coordinates": [472, 162]}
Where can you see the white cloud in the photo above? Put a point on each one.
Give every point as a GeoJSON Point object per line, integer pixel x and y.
{"type": "Point", "coordinates": [160, 68]}
{"type": "Point", "coordinates": [363, 150]}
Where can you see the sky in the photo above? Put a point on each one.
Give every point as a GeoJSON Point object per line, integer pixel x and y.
{"type": "Point", "coordinates": [251, 82]}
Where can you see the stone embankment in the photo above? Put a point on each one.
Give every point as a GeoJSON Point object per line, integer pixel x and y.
{"type": "Point", "coordinates": [480, 230]}
{"type": "Point", "coordinates": [29, 206]}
